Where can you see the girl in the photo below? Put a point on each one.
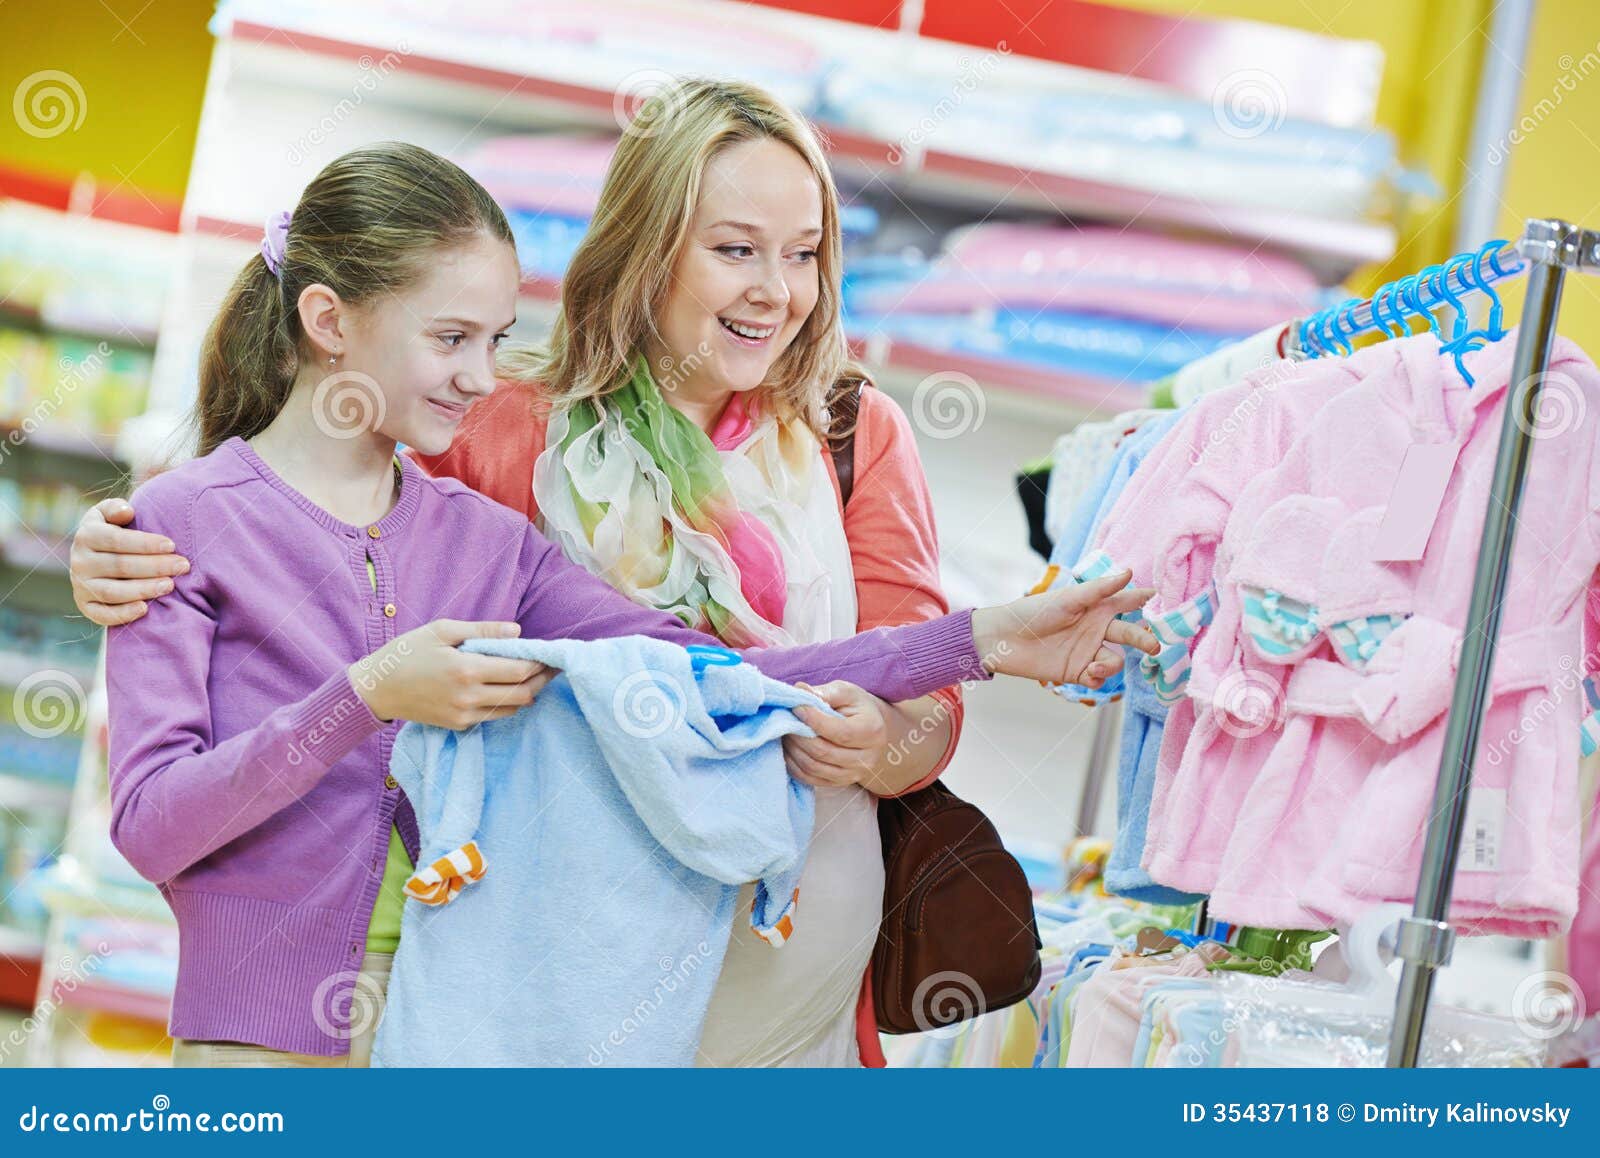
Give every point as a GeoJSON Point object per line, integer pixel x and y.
{"type": "Point", "coordinates": [415, 310]}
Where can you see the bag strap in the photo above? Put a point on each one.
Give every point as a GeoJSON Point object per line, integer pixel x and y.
{"type": "Point", "coordinates": [843, 448]}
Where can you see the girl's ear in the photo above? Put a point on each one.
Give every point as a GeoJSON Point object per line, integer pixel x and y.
{"type": "Point", "coordinates": [323, 320]}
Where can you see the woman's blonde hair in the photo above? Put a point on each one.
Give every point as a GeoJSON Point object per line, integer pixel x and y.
{"type": "Point", "coordinates": [621, 274]}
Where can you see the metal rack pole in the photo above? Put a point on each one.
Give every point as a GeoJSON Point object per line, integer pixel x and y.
{"type": "Point", "coordinates": [1107, 727]}
{"type": "Point", "coordinates": [1426, 937]}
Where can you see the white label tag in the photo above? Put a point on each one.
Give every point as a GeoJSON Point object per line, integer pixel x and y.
{"type": "Point", "coordinates": [1482, 829]}
{"type": "Point", "coordinates": [1414, 504]}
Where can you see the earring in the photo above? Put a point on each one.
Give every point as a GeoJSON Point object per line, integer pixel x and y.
{"type": "Point", "coordinates": [333, 359]}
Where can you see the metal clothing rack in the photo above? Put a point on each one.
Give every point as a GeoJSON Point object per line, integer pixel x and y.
{"type": "Point", "coordinates": [1551, 248]}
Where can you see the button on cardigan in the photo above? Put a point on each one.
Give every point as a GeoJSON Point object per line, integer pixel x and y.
{"type": "Point", "coordinates": [247, 774]}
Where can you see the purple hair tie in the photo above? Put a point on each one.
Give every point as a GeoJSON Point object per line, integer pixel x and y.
{"type": "Point", "coordinates": [273, 240]}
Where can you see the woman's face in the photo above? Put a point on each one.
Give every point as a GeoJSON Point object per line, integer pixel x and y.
{"type": "Point", "coordinates": [746, 279]}
{"type": "Point", "coordinates": [429, 351]}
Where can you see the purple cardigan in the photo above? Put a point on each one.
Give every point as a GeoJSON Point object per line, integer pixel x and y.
{"type": "Point", "coordinates": [250, 782]}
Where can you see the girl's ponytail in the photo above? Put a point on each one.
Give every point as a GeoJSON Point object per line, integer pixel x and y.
{"type": "Point", "coordinates": [247, 362]}
{"type": "Point", "coordinates": [371, 223]}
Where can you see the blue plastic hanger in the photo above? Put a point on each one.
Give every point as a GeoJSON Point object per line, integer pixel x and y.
{"type": "Point", "coordinates": [1415, 303]}
{"type": "Point", "coordinates": [1461, 334]}
{"type": "Point", "coordinates": [1343, 326]}
{"type": "Point", "coordinates": [1474, 273]}
{"type": "Point", "coordinates": [1380, 301]}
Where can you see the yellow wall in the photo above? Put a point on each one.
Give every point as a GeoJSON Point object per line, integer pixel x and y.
{"type": "Point", "coordinates": [142, 75]}
{"type": "Point", "coordinates": [1555, 170]}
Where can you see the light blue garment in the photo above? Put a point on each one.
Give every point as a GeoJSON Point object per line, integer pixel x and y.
{"type": "Point", "coordinates": [1199, 1048]}
{"type": "Point", "coordinates": [1093, 506]}
{"type": "Point", "coordinates": [617, 817]}
{"type": "Point", "coordinates": [1144, 722]}
{"type": "Point", "coordinates": [1144, 715]}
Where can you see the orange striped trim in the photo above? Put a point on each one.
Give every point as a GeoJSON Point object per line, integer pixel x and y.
{"type": "Point", "coordinates": [780, 930]}
{"type": "Point", "coordinates": [442, 881]}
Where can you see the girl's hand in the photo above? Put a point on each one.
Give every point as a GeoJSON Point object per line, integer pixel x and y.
{"type": "Point", "coordinates": [1062, 635]}
{"type": "Point", "coordinates": [114, 570]}
{"type": "Point", "coordinates": [848, 748]}
{"type": "Point", "coordinates": [423, 676]}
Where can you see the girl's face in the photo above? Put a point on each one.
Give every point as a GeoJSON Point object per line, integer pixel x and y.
{"type": "Point", "coordinates": [429, 351]}
{"type": "Point", "coordinates": [746, 279]}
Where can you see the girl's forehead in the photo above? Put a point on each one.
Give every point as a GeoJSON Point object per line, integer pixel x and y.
{"type": "Point", "coordinates": [480, 275]}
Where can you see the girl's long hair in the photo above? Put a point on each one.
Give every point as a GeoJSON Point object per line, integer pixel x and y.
{"type": "Point", "coordinates": [367, 225]}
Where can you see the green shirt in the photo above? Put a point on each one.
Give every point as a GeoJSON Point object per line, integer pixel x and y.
{"type": "Point", "coordinates": [383, 933]}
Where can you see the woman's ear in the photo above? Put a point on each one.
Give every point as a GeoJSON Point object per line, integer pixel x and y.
{"type": "Point", "coordinates": [323, 319]}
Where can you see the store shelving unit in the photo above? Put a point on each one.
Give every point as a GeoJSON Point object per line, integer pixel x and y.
{"type": "Point", "coordinates": [80, 285]}
{"type": "Point", "coordinates": [305, 88]}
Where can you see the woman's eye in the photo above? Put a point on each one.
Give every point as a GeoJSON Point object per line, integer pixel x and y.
{"type": "Point", "coordinates": [735, 250]}
{"type": "Point", "coordinates": [806, 255]}
{"type": "Point", "coordinates": [453, 340]}
{"type": "Point", "coordinates": [498, 338]}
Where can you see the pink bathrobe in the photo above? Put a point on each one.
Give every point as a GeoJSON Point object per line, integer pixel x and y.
{"type": "Point", "coordinates": [1321, 813]}
{"type": "Point", "coordinates": [1167, 524]}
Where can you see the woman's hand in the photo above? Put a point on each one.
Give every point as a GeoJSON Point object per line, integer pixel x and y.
{"type": "Point", "coordinates": [114, 570]}
{"type": "Point", "coordinates": [848, 748]}
{"type": "Point", "coordinates": [1062, 635]}
{"type": "Point", "coordinates": [423, 676]}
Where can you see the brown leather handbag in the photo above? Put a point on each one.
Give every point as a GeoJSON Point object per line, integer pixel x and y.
{"type": "Point", "coordinates": [958, 936]}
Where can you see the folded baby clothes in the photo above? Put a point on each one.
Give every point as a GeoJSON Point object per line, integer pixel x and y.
{"type": "Point", "coordinates": [613, 822]}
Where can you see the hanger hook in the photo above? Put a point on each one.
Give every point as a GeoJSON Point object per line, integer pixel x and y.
{"type": "Point", "coordinates": [1414, 298]}
{"type": "Point", "coordinates": [1341, 320]}
{"type": "Point", "coordinates": [1490, 250]}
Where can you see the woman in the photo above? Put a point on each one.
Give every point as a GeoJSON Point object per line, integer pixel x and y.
{"type": "Point", "coordinates": [670, 438]}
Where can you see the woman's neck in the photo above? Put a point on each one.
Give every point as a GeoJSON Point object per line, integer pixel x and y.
{"type": "Point", "coordinates": [352, 478]}
{"type": "Point", "coordinates": [700, 403]}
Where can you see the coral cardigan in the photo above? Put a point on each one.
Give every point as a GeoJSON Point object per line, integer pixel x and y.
{"type": "Point", "coordinates": [894, 549]}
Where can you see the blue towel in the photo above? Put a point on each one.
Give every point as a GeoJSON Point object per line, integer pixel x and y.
{"type": "Point", "coordinates": [616, 817]}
